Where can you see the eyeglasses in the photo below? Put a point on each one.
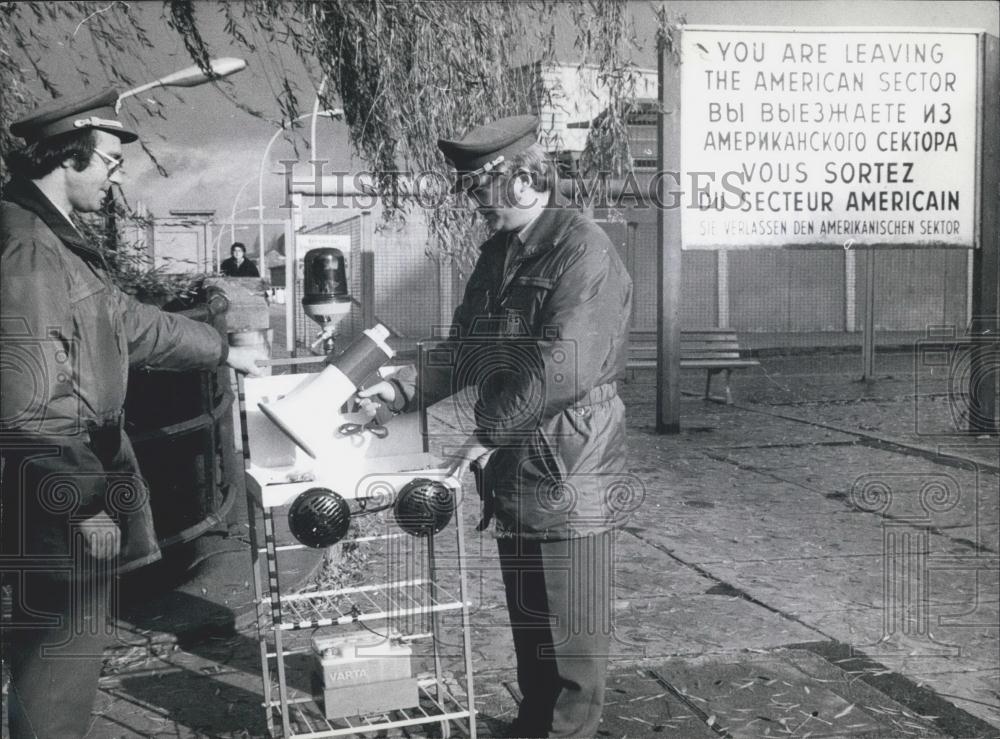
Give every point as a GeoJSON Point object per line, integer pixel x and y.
{"type": "Point", "coordinates": [114, 164]}
{"type": "Point", "coordinates": [481, 192]}
{"type": "Point", "coordinates": [487, 187]}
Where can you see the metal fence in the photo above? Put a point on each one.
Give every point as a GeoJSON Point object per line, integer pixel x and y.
{"type": "Point", "coordinates": [796, 291]}
{"type": "Point", "coordinates": [786, 294]}
{"type": "Point", "coordinates": [781, 296]}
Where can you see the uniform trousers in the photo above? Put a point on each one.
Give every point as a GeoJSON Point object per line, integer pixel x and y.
{"type": "Point", "coordinates": [59, 626]}
{"type": "Point", "coordinates": [54, 648]}
{"type": "Point", "coordinates": [559, 602]}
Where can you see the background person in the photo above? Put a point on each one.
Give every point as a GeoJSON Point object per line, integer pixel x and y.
{"type": "Point", "coordinates": [541, 333]}
{"type": "Point", "coordinates": [74, 510]}
{"type": "Point", "coordinates": [237, 264]}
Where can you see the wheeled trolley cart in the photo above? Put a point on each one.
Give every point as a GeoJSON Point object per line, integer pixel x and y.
{"type": "Point", "coordinates": [371, 655]}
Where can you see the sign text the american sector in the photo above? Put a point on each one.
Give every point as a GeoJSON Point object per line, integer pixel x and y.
{"type": "Point", "coordinates": [820, 126]}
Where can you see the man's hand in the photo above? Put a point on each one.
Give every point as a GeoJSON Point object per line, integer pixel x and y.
{"type": "Point", "coordinates": [243, 359]}
{"type": "Point", "coordinates": [383, 391]}
{"type": "Point", "coordinates": [101, 536]}
{"type": "Point", "coordinates": [462, 458]}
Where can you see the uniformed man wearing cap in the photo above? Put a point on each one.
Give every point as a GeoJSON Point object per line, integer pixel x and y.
{"type": "Point", "coordinates": [540, 334]}
{"type": "Point", "coordinates": [74, 509]}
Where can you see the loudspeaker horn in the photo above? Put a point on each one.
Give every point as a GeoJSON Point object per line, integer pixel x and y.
{"type": "Point", "coordinates": [308, 414]}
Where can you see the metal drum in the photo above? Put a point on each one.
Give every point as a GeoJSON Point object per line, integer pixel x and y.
{"type": "Point", "coordinates": [181, 425]}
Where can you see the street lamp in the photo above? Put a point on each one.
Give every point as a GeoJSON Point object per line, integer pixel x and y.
{"type": "Point", "coordinates": [232, 216]}
{"type": "Point", "coordinates": [335, 113]}
{"type": "Point", "coordinates": [189, 77]}
{"type": "Point", "coordinates": [315, 117]}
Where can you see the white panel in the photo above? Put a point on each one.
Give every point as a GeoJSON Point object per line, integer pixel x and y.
{"type": "Point", "coordinates": [821, 136]}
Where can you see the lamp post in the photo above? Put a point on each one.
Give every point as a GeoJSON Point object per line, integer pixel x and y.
{"type": "Point", "coordinates": [335, 113]}
{"type": "Point", "coordinates": [232, 216]}
{"type": "Point", "coordinates": [315, 116]}
{"type": "Point", "coordinates": [189, 77]}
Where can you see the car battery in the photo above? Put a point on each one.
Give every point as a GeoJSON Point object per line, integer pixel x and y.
{"type": "Point", "coordinates": [361, 673]}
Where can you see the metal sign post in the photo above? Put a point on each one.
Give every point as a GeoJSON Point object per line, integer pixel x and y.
{"type": "Point", "coordinates": [868, 330]}
{"type": "Point", "coordinates": [668, 259]}
{"type": "Point", "coordinates": [985, 323]}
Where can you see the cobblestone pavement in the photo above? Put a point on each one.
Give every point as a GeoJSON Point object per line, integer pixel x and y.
{"type": "Point", "coordinates": [818, 559]}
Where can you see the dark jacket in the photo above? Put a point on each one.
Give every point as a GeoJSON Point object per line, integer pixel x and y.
{"type": "Point", "coordinates": [247, 268]}
{"type": "Point", "coordinates": [68, 337]}
{"type": "Point", "coordinates": [543, 344]}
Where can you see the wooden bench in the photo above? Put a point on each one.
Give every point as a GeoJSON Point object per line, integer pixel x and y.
{"type": "Point", "coordinates": [714, 350]}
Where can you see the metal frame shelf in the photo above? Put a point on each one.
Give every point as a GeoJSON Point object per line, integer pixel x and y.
{"type": "Point", "coordinates": [398, 602]}
{"type": "Point", "coordinates": [437, 704]}
{"type": "Point", "coordinates": [405, 598]}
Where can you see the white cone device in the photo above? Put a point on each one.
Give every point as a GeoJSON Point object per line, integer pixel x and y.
{"type": "Point", "coordinates": [309, 414]}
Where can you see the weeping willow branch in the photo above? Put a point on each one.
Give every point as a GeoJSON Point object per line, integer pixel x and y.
{"type": "Point", "coordinates": [103, 38]}
{"type": "Point", "coordinates": [405, 72]}
{"type": "Point", "coordinates": [606, 39]}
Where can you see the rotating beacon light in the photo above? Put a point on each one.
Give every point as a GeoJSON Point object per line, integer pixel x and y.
{"type": "Point", "coordinates": [308, 414]}
{"type": "Point", "coordinates": [325, 297]}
